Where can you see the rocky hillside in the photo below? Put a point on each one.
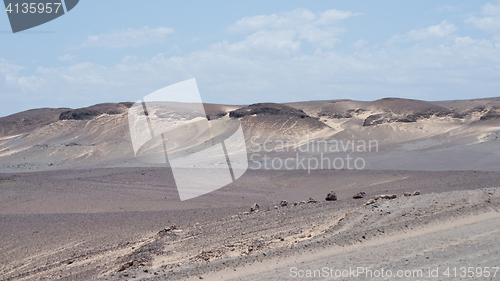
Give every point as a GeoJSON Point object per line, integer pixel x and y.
{"type": "Point", "coordinates": [99, 135]}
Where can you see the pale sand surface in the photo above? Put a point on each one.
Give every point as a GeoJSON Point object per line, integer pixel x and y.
{"type": "Point", "coordinates": [84, 224]}
{"type": "Point", "coordinates": [465, 242]}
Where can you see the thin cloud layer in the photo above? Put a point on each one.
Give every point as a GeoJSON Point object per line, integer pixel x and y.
{"type": "Point", "coordinates": [490, 21]}
{"type": "Point", "coordinates": [131, 37]}
{"type": "Point", "coordinates": [433, 32]}
{"type": "Point", "coordinates": [321, 29]}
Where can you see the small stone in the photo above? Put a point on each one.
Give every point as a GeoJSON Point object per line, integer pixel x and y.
{"type": "Point", "coordinates": [283, 203]}
{"type": "Point", "coordinates": [360, 195]}
{"type": "Point", "coordinates": [369, 202]}
{"type": "Point", "coordinates": [416, 193]}
{"type": "Point", "coordinates": [312, 200]}
{"type": "Point", "coordinates": [386, 196]}
{"type": "Point", "coordinates": [254, 208]}
{"type": "Point", "coordinates": [331, 196]}
{"type": "Point", "coordinates": [406, 194]}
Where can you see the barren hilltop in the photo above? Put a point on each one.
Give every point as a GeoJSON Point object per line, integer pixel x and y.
{"type": "Point", "coordinates": [434, 135]}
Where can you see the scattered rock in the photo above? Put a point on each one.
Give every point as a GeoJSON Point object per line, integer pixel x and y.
{"type": "Point", "coordinates": [369, 202]}
{"type": "Point", "coordinates": [254, 208]}
{"type": "Point", "coordinates": [331, 196]}
{"type": "Point", "coordinates": [283, 203]}
{"type": "Point", "coordinates": [406, 194]}
{"type": "Point", "coordinates": [386, 196]}
{"type": "Point", "coordinates": [167, 229]}
{"type": "Point", "coordinates": [312, 200]}
{"type": "Point", "coordinates": [416, 193]}
{"type": "Point", "coordinates": [360, 195]}
{"type": "Point", "coordinates": [296, 203]}
{"type": "Point", "coordinates": [207, 256]}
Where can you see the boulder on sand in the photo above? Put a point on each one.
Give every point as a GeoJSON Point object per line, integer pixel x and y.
{"type": "Point", "coordinates": [331, 196]}
{"type": "Point", "coordinates": [283, 203]}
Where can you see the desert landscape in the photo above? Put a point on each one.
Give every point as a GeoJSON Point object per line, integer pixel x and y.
{"type": "Point", "coordinates": [76, 204]}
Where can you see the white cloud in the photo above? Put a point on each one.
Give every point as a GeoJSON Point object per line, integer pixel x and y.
{"type": "Point", "coordinates": [6, 67]}
{"type": "Point", "coordinates": [263, 43]}
{"type": "Point", "coordinates": [490, 22]}
{"type": "Point", "coordinates": [490, 10]}
{"type": "Point", "coordinates": [320, 29]}
{"type": "Point", "coordinates": [131, 37]}
{"type": "Point", "coordinates": [333, 16]}
{"type": "Point", "coordinates": [418, 71]}
{"type": "Point", "coordinates": [8, 74]}
{"type": "Point", "coordinates": [67, 58]}
{"type": "Point", "coordinates": [431, 33]}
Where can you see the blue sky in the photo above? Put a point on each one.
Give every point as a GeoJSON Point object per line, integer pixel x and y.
{"type": "Point", "coordinates": [253, 51]}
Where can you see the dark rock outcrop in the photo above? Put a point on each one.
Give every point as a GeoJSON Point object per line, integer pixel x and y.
{"type": "Point", "coordinates": [91, 112]}
{"type": "Point", "coordinates": [331, 196]}
{"type": "Point", "coordinates": [268, 109]}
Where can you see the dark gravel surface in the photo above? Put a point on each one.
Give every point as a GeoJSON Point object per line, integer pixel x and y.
{"type": "Point", "coordinates": [83, 224]}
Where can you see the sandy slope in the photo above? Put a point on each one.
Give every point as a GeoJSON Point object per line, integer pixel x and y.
{"type": "Point", "coordinates": [435, 136]}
